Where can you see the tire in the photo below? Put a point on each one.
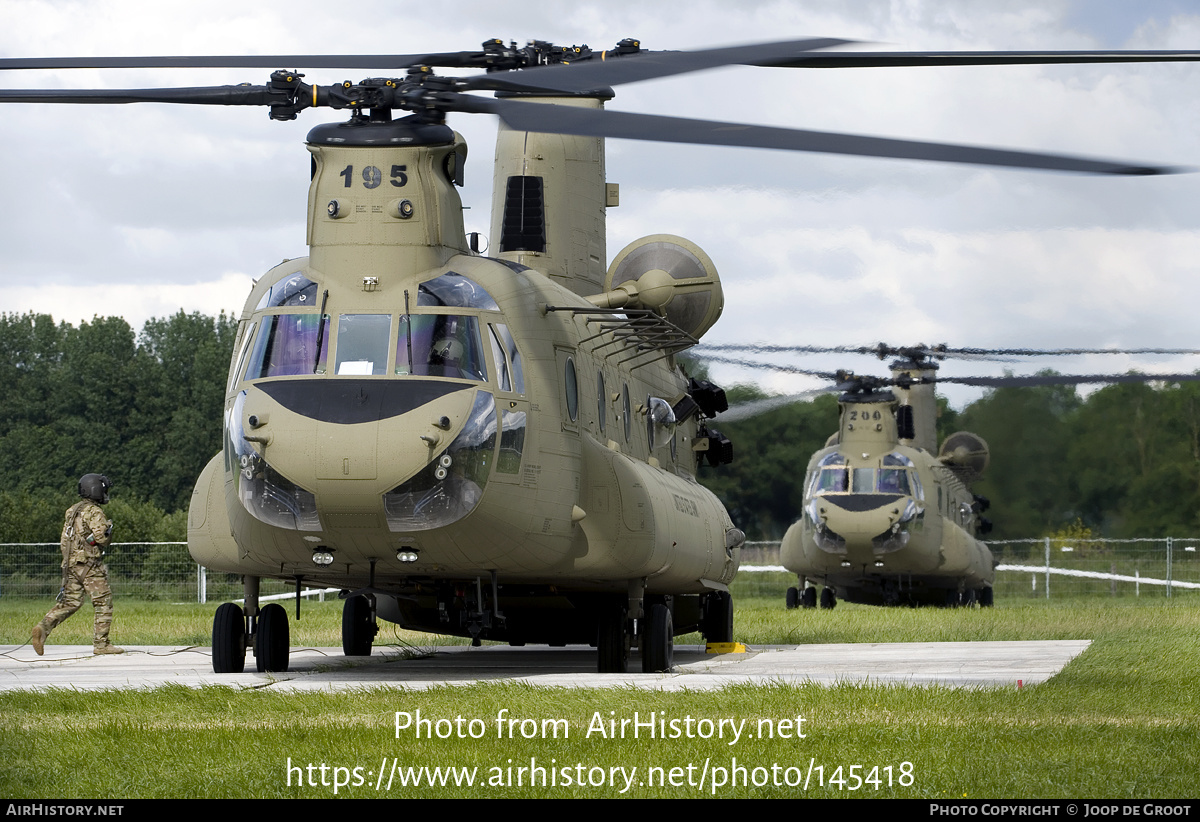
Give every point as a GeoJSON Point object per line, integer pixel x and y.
{"type": "Point", "coordinates": [969, 598]}
{"type": "Point", "coordinates": [987, 596]}
{"type": "Point", "coordinates": [229, 640]}
{"type": "Point", "coordinates": [718, 617]}
{"type": "Point", "coordinates": [612, 641]}
{"type": "Point", "coordinates": [792, 599]}
{"type": "Point", "coordinates": [272, 643]}
{"type": "Point", "coordinates": [828, 598]}
{"type": "Point", "coordinates": [358, 628]}
{"type": "Point", "coordinates": [808, 598]}
{"type": "Point", "coordinates": [658, 643]}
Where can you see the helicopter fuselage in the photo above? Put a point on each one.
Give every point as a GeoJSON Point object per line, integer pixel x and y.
{"type": "Point", "coordinates": [449, 433]}
{"type": "Point", "coordinates": [885, 522]}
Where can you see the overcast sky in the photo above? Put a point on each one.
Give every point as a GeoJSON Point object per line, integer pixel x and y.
{"type": "Point", "coordinates": [140, 211]}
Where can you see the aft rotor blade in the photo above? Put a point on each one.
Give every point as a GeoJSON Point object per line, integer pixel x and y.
{"type": "Point", "coordinates": [593, 73]}
{"type": "Point", "coordinates": [557, 119]}
{"type": "Point", "coordinates": [1066, 379]}
{"type": "Point", "coordinates": [906, 59]}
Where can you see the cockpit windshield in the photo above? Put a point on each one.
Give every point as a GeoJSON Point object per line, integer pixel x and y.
{"type": "Point", "coordinates": [894, 476]}
{"type": "Point", "coordinates": [440, 345]}
{"type": "Point", "coordinates": [287, 345]}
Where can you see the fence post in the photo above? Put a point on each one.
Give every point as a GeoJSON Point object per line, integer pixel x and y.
{"type": "Point", "coordinates": [1170, 546]}
{"type": "Point", "coordinates": [1047, 567]}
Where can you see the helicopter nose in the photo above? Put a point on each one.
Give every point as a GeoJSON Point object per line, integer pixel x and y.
{"type": "Point", "coordinates": [859, 518]}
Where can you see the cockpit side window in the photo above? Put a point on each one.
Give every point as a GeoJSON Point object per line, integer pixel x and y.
{"type": "Point", "coordinates": [287, 346]}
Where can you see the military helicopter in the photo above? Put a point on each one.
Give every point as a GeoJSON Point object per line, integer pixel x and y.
{"type": "Point", "coordinates": [500, 447]}
{"type": "Point", "coordinates": [887, 517]}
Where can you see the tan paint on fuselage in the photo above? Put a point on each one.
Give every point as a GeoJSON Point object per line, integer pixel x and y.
{"type": "Point", "coordinates": [640, 521]}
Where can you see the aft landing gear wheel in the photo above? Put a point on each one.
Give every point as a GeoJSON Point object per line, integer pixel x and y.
{"type": "Point", "coordinates": [358, 628]}
{"type": "Point", "coordinates": [272, 642]}
{"type": "Point", "coordinates": [658, 640]}
{"type": "Point", "coordinates": [828, 598]}
{"type": "Point", "coordinates": [229, 640]}
{"type": "Point", "coordinates": [986, 597]}
{"type": "Point", "coordinates": [792, 599]}
{"type": "Point", "coordinates": [808, 598]}
{"type": "Point", "coordinates": [612, 641]}
{"type": "Point", "coordinates": [718, 617]}
{"type": "Point", "coordinates": [969, 598]}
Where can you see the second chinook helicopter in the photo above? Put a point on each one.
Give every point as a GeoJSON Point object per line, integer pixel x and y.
{"type": "Point", "coordinates": [886, 516]}
{"type": "Point", "coordinates": [496, 447]}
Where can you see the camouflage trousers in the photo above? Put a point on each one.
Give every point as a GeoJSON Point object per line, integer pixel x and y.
{"type": "Point", "coordinates": [80, 578]}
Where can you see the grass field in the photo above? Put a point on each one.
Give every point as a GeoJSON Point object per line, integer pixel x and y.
{"type": "Point", "coordinates": [1121, 721]}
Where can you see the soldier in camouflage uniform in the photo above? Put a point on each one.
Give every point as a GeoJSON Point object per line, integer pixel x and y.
{"type": "Point", "coordinates": [85, 534]}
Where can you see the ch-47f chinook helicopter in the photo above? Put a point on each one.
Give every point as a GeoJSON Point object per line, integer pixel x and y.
{"type": "Point", "coordinates": [887, 517]}
{"type": "Point", "coordinates": [496, 447]}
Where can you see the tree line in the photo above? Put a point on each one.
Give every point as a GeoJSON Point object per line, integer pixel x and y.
{"type": "Point", "coordinates": [145, 408]}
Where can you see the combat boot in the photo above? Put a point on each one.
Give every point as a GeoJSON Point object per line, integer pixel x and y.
{"type": "Point", "coordinates": [38, 638]}
{"type": "Point", "coordinates": [107, 648]}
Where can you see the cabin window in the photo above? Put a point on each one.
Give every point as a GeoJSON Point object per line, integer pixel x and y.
{"type": "Point", "coordinates": [362, 344]}
{"type": "Point", "coordinates": [287, 346]}
{"type": "Point", "coordinates": [440, 345]}
{"type": "Point", "coordinates": [600, 400]}
{"type": "Point", "coordinates": [626, 411]}
{"type": "Point", "coordinates": [571, 387]}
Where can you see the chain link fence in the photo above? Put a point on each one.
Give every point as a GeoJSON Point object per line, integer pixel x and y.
{"type": "Point", "coordinates": [1029, 569]}
{"type": "Point", "coordinates": [1041, 568]}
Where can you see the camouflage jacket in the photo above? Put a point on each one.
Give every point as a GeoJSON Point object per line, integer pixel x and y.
{"type": "Point", "coordinates": [84, 519]}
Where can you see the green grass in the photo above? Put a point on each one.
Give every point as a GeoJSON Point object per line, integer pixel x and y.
{"type": "Point", "coordinates": [1121, 721]}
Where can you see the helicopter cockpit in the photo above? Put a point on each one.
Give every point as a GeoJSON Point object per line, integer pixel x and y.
{"type": "Point", "coordinates": [441, 336]}
{"type": "Point", "coordinates": [858, 490]}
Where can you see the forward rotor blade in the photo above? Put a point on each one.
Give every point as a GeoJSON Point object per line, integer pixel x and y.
{"type": "Point", "coordinates": [459, 59]}
{"type": "Point", "coordinates": [903, 59]}
{"type": "Point", "coordinates": [241, 95]}
{"type": "Point", "coordinates": [556, 119]}
{"type": "Point", "coordinates": [586, 76]}
{"type": "Point", "coordinates": [753, 408]}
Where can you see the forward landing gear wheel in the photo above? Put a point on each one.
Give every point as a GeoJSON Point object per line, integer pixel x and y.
{"type": "Point", "coordinates": [969, 598]}
{"type": "Point", "coordinates": [986, 597]}
{"type": "Point", "coordinates": [658, 642]}
{"type": "Point", "coordinates": [358, 628]}
{"type": "Point", "coordinates": [808, 598]}
{"type": "Point", "coordinates": [272, 644]}
{"type": "Point", "coordinates": [792, 599]}
{"type": "Point", "coordinates": [828, 598]}
{"type": "Point", "coordinates": [612, 642]}
{"type": "Point", "coordinates": [718, 617]}
{"type": "Point", "coordinates": [229, 640]}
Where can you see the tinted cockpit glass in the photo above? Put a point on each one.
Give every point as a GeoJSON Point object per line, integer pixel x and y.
{"type": "Point", "coordinates": [455, 291]}
{"type": "Point", "coordinates": [287, 346]}
{"type": "Point", "coordinates": [296, 290]}
{"type": "Point", "coordinates": [440, 345]}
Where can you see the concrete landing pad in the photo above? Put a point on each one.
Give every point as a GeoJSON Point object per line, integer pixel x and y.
{"type": "Point", "coordinates": [954, 664]}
